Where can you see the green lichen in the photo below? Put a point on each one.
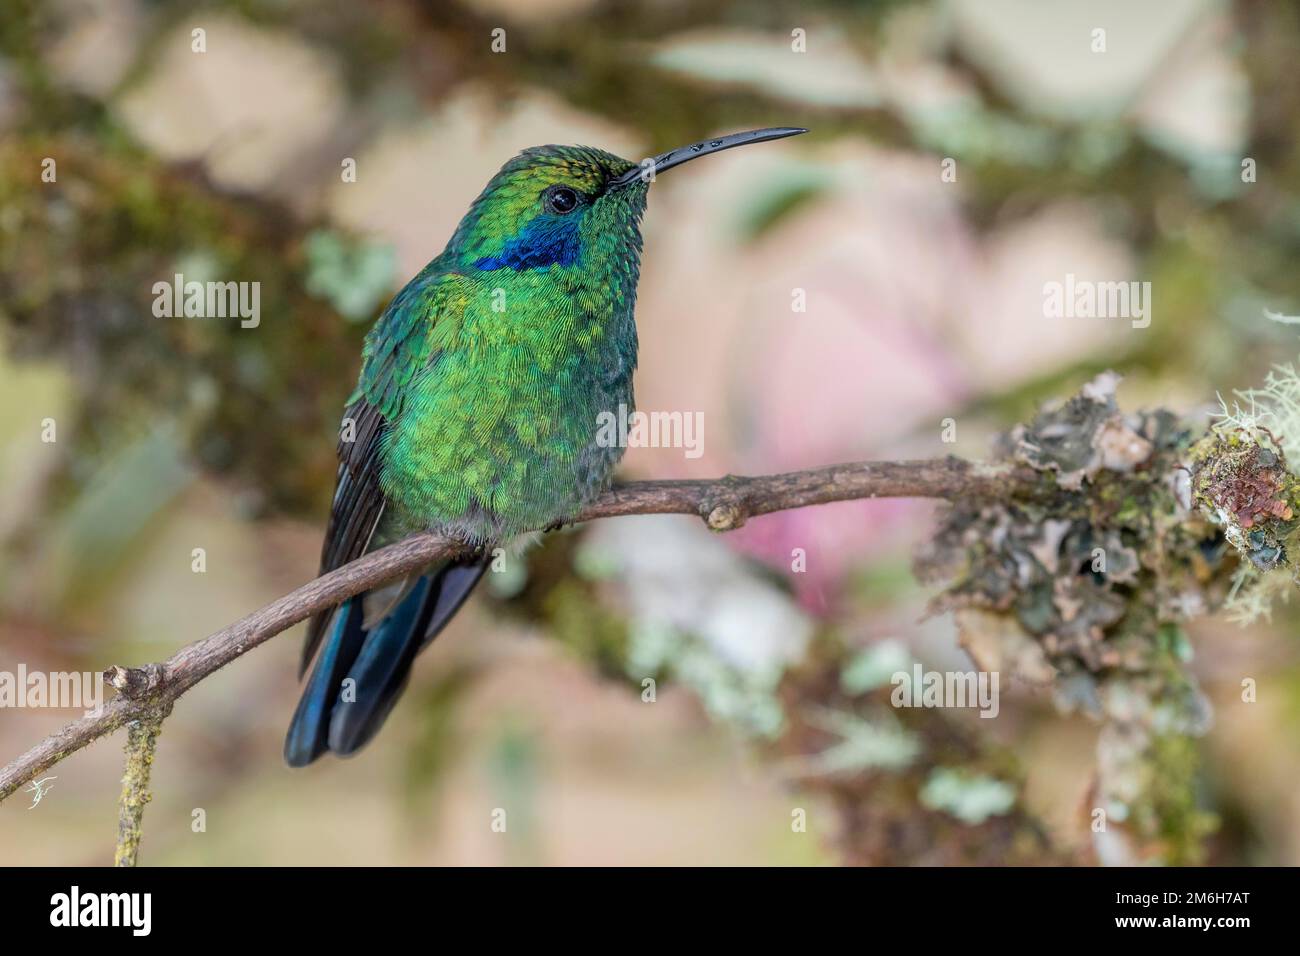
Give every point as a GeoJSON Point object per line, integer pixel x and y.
{"type": "Point", "coordinates": [1101, 580]}
{"type": "Point", "coordinates": [971, 798]}
{"type": "Point", "coordinates": [141, 743]}
{"type": "Point", "coordinates": [1169, 810]}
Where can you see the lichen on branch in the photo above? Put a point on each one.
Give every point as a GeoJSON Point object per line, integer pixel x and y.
{"type": "Point", "coordinates": [141, 744]}
{"type": "Point", "coordinates": [1096, 585]}
{"type": "Point", "coordinates": [1072, 561]}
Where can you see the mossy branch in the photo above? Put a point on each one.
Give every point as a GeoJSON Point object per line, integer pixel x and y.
{"type": "Point", "coordinates": [141, 743]}
{"type": "Point", "coordinates": [1090, 539]}
{"type": "Point", "coordinates": [724, 504]}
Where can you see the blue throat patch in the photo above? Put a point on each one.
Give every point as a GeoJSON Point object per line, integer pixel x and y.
{"type": "Point", "coordinates": [546, 241]}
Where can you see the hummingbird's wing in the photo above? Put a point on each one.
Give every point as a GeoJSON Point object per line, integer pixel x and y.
{"type": "Point", "coordinates": [358, 504]}
{"type": "Point", "coordinates": [397, 348]}
{"type": "Point", "coordinates": [358, 498]}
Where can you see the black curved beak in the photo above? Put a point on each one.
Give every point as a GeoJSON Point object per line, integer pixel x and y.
{"type": "Point", "coordinates": [684, 154]}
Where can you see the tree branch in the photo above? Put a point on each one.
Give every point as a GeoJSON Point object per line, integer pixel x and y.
{"type": "Point", "coordinates": [141, 743]}
{"type": "Point", "coordinates": [724, 504]}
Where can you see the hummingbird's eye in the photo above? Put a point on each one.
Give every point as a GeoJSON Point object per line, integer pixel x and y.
{"type": "Point", "coordinates": [560, 200]}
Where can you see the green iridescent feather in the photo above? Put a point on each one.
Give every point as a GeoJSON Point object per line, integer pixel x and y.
{"type": "Point", "coordinates": [490, 380]}
{"type": "Point", "coordinates": [478, 412]}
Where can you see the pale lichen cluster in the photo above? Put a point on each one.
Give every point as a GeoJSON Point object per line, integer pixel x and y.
{"type": "Point", "coordinates": [1244, 482]}
{"type": "Point", "coordinates": [1086, 591]}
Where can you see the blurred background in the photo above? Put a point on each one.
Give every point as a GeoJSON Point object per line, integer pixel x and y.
{"type": "Point", "coordinates": [923, 283]}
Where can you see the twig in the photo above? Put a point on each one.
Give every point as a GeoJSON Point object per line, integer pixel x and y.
{"type": "Point", "coordinates": [724, 504]}
{"type": "Point", "coordinates": [141, 742]}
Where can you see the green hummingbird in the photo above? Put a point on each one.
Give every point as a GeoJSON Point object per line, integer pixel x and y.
{"type": "Point", "coordinates": [476, 411]}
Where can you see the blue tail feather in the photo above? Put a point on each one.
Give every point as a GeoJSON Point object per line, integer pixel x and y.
{"type": "Point", "coordinates": [306, 739]}
{"type": "Point", "coordinates": [342, 717]}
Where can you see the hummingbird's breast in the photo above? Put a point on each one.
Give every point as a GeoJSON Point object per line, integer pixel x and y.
{"type": "Point", "coordinates": [501, 434]}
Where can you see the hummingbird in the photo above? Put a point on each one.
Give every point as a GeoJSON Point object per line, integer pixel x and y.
{"type": "Point", "coordinates": [476, 411]}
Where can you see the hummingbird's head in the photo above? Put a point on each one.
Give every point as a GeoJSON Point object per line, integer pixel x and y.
{"type": "Point", "coordinates": [572, 207]}
{"type": "Point", "coordinates": [552, 206]}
